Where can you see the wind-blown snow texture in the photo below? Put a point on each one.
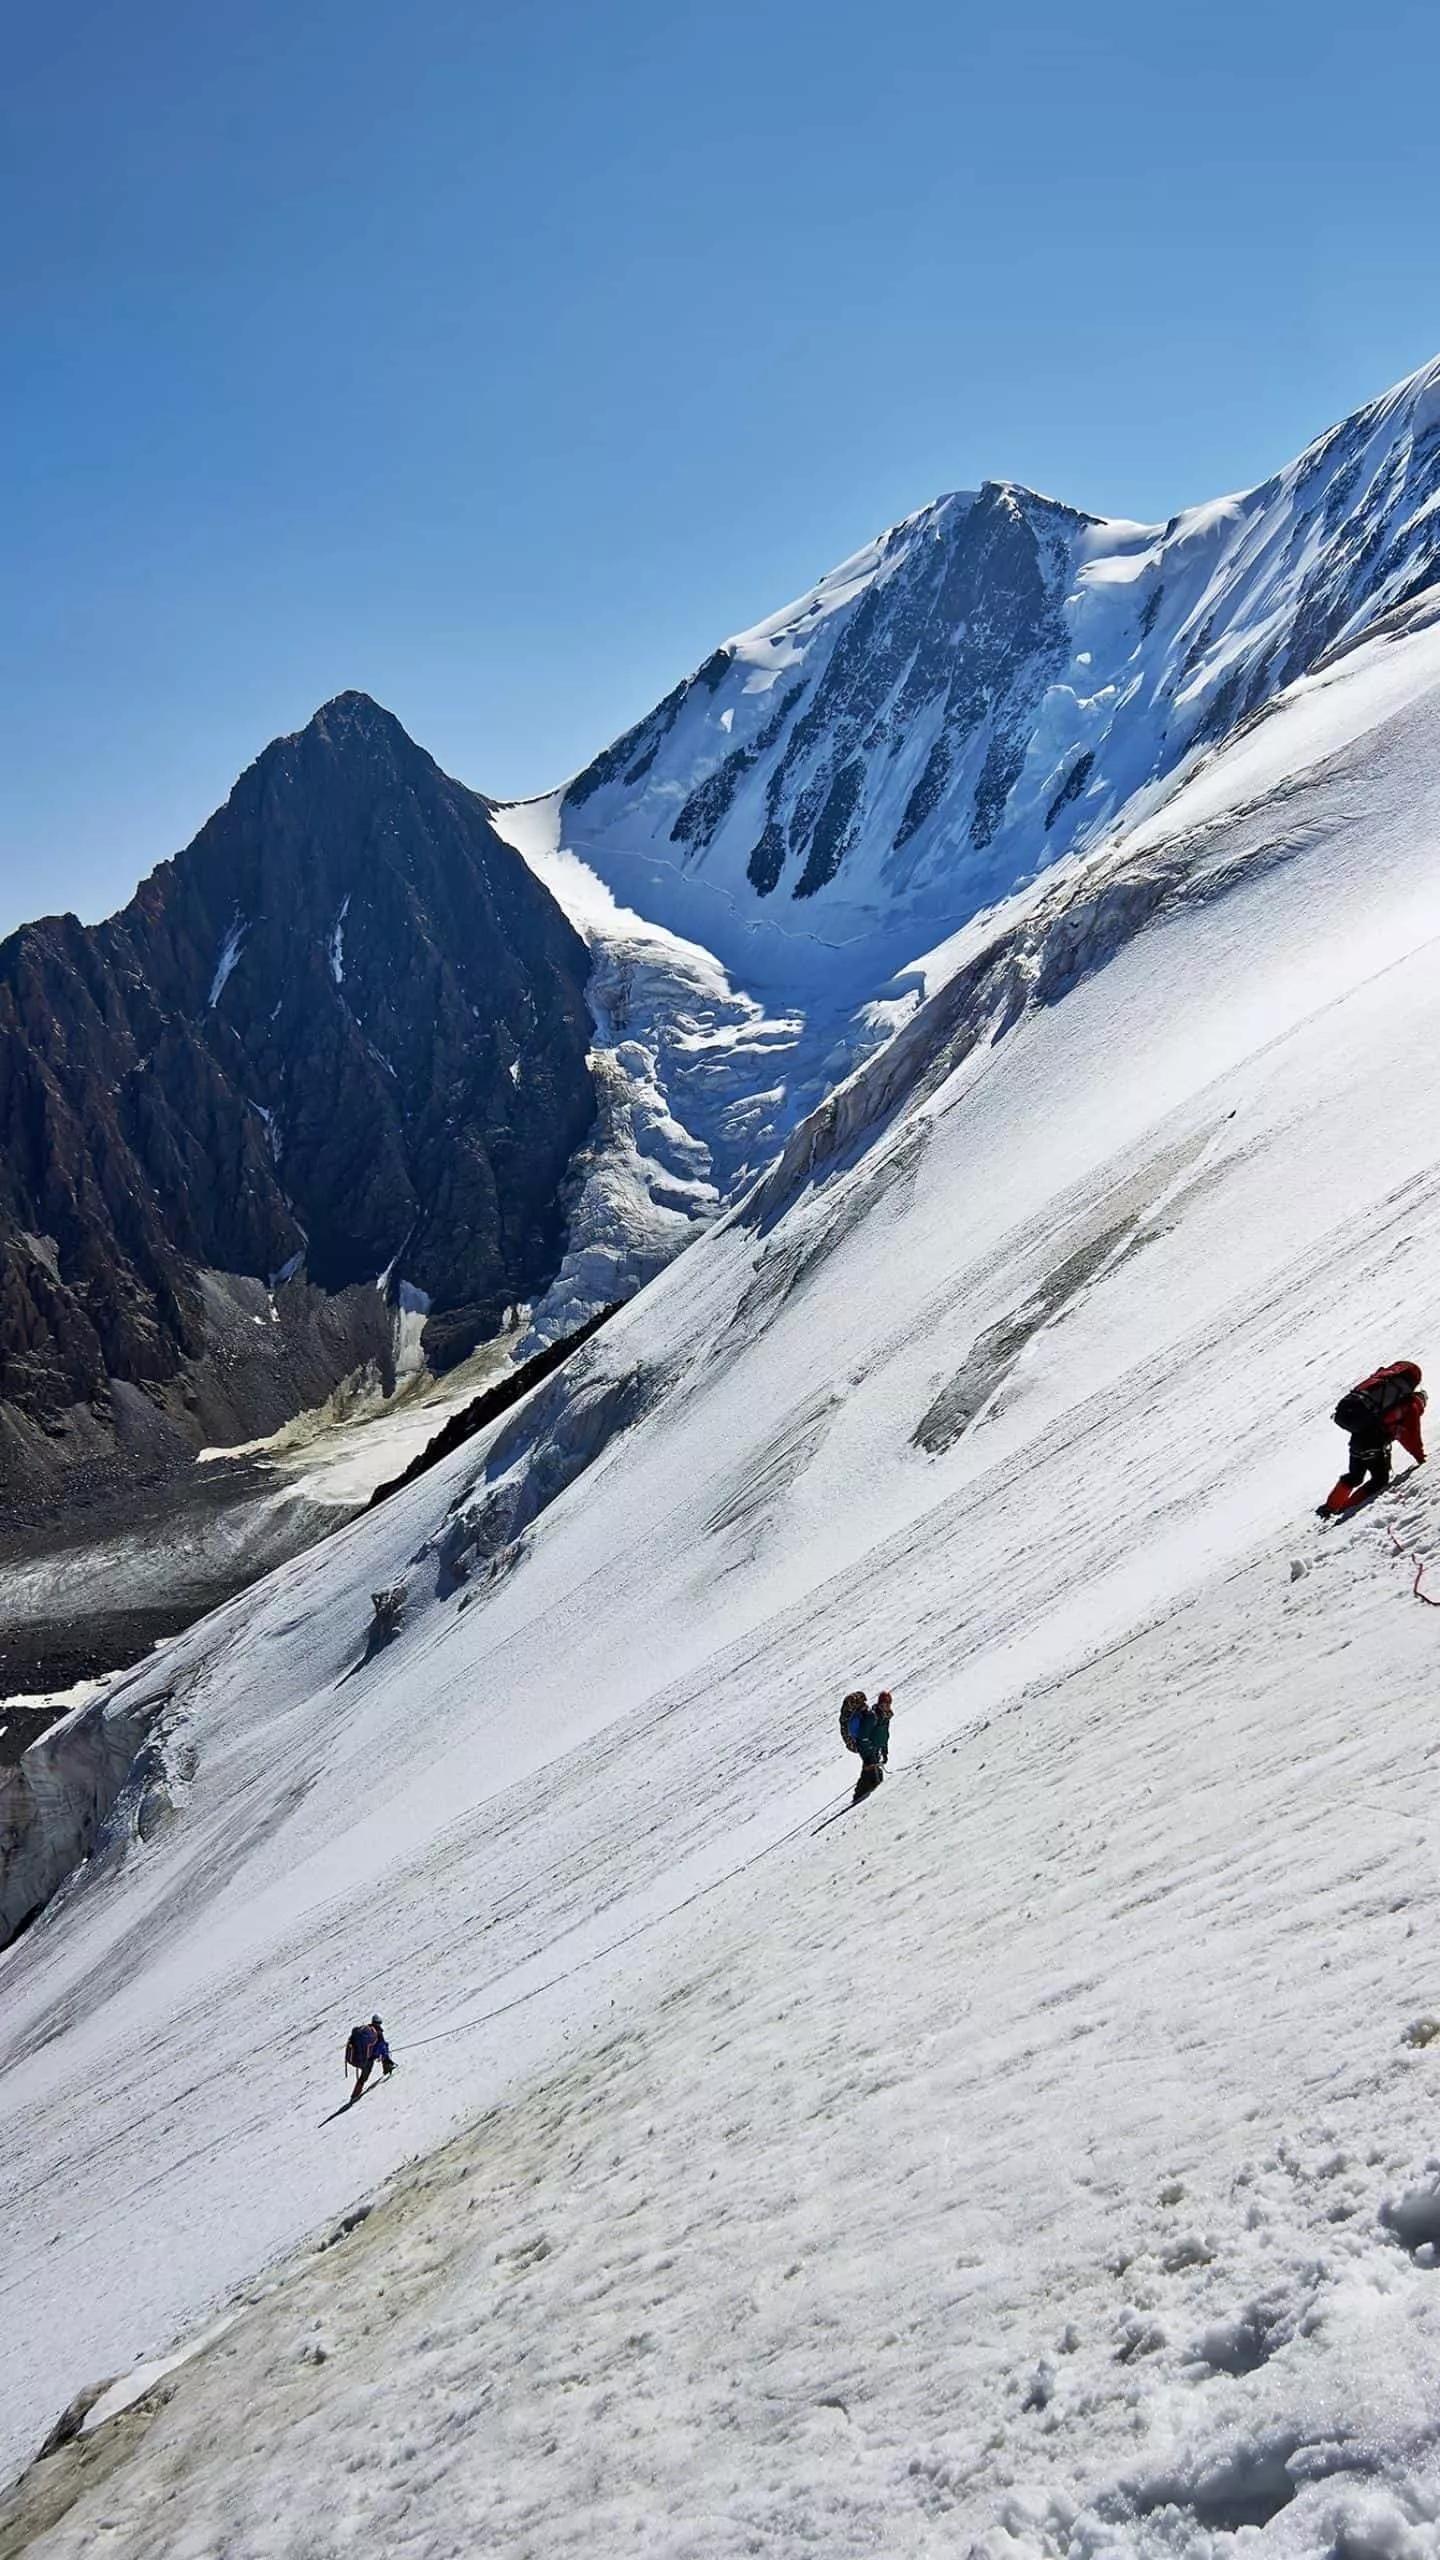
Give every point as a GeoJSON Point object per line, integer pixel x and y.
{"type": "Point", "coordinates": [986, 686]}
{"type": "Point", "coordinates": [1039, 2161]}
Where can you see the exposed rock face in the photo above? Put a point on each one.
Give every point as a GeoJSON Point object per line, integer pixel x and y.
{"type": "Point", "coordinates": [343, 1035]}
{"type": "Point", "coordinates": [905, 679]}
{"type": "Point", "coordinates": [967, 631]}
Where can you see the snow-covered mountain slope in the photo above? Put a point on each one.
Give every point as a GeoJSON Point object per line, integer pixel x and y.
{"type": "Point", "coordinates": [987, 686]}
{"type": "Point", "coordinates": [1039, 2161]}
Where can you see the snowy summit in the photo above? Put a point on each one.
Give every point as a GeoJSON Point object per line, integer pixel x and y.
{"type": "Point", "coordinates": [989, 684]}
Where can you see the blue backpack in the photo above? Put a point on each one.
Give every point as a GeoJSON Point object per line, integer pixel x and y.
{"type": "Point", "coordinates": [852, 1713]}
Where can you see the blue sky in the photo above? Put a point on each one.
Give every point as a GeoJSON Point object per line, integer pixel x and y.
{"type": "Point", "coordinates": [500, 358]}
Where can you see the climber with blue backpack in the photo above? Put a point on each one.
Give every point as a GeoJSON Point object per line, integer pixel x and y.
{"type": "Point", "coordinates": [366, 2047]}
{"type": "Point", "coordinates": [865, 1730]}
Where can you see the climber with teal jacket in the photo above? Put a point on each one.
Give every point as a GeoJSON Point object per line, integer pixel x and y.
{"type": "Point", "coordinates": [866, 1730]}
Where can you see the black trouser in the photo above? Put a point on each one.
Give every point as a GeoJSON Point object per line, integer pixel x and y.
{"type": "Point", "coordinates": [868, 1780]}
{"type": "Point", "coordinates": [1368, 1457]}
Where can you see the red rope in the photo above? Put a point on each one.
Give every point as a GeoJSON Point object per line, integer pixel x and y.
{"type": "Point", "coordinates": [1415, 1590]}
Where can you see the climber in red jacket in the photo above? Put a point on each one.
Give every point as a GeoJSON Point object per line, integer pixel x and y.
{"type": "Point", "coordinates": [1387, 1406]}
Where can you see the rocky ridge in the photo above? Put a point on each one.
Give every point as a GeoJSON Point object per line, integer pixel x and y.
{"type": "Point", "coordinates": [330, 1062]}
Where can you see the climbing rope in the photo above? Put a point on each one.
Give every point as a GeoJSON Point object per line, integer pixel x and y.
{"type": "Point", "coordinates": [228, 2138]}
{"type": "Point", "coordinates": [552, 1982]}
{"type": "Point", "coordinates": [1420, 1568]}
{"type": "Point", "coordinates": [815, 1818]}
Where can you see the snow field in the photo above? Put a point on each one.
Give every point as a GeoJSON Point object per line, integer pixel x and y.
{"type": "Point", "coordinates": [921, 2211]}
{"type": "Point", "coordinates": [1038, 2161]}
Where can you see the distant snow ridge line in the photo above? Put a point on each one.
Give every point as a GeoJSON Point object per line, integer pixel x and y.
{"type": "Point", "coordinates": [1180, 853]}
{"type": "Point", "coordinates": [990, 683]}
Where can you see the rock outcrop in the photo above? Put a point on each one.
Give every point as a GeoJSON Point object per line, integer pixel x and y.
{"type": "Point", "coordinates": [340, 1041]}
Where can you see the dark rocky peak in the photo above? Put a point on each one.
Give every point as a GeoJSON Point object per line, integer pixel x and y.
{"type": "Point", "coordinates": [342, 1034]}
{"type": "Point", "coordinates": [369, 959]}
{"type": "Point", "coordinates": [351, 747]}
{"type": "Point", "coordinates": [335, 808]}
{"type": "Point", "coordinates": [350, 715]}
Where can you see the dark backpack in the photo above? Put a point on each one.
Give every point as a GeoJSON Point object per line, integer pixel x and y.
{"type": "Point", "coordinates": [1385, 1391]}
{"type": "Point", "coordinates": [357, 2051]}
{"type": "Point", "coordinates": [852, 1714]}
